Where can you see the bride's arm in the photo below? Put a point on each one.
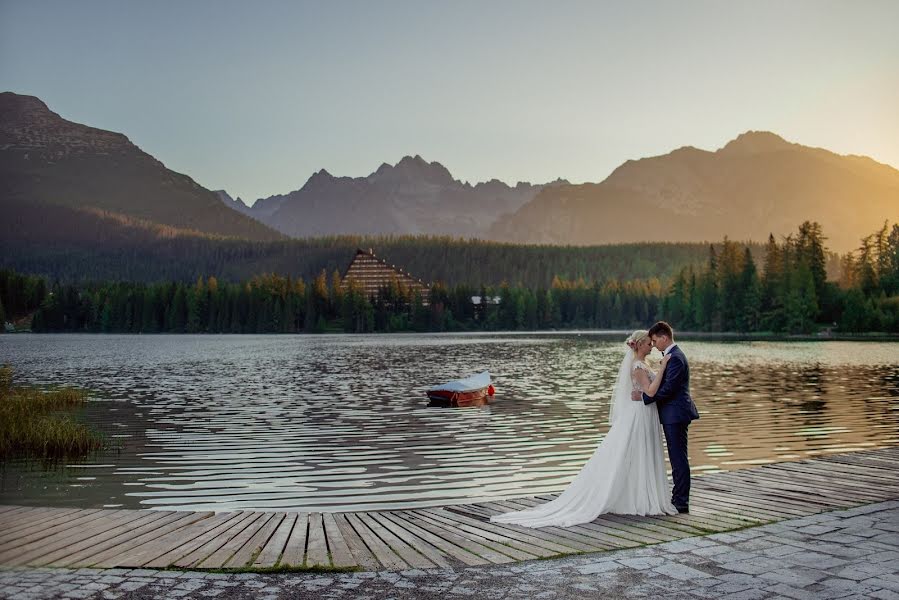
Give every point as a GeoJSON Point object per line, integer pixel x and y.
{"type": "Point", "coordinates": [643, 379]}
{"type": "Point", "coordinates": [653, 387]}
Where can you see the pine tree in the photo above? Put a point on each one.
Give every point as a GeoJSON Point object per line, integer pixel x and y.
{"type": "Point", "coordinates": [811, 251]}
{"type": "Point", "coordinates": [856, 315]}
{"type": "Point", "coordinates": [772, 283]}
{"type": "Point", "coordinates": [749, 318]}
{"type": "Point", "coordinates": [730, 296]}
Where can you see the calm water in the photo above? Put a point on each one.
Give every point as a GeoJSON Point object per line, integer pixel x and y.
{"type": "Point", "coordinates": [342, 423]}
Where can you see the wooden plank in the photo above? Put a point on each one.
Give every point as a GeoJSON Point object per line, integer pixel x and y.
{"type": "Point", "coordinates": [60, 556]}
{"type": "Point", "coordinates": [381, 551]}
{"type": "Point", "coordinates": [456, 552]}
{"type": "Point", "coordinates": [147, 534]}
{"type": "Point", "coordinates": [724, 502]}
{"type": "Point", "coordinates": [316, 545]}
{"type": "Point", "coordinates": [538, 537]}
{"type": "Point", "coordinates": [201, 552]}
{"type": "Point", "coordinates": [183, 540]}
{"type": "Point", "coordinates": [295, 549]}
{"type": "Point", "coordinates": [562, 535]}
{"type": "Point", "coordinates": [587, 535]}
{"type": "Point", "coordinates": [849, 490]}
{"type": "Point", "coordinates": [33, 518]}
{"type": "Point", "coordinates": [441, 536]}
{"type": "Point", "coordinates": [274, 548]}
{"type": "Point", "coordinates": [431, 553]}
{"type": "Point", "coordinates": [17, 511]}
{"type": "Point", "coordinates": [485, 552]}
{"type": "Point", "coordinates": [840, 470]}
{"type": "Point", "coordinates": [10, 536]}
{"type": "Point", "coordinates": [839, 473]}
{"type": "Point", "coordinates": [730, 519]}
{"type": "Point", "coordinates": [801, 472]}
{"type": "Point", "coordinates": [57, 529]}
{"type": "Point", "coordinates": [498, 549]}
{"type": "Point", "coordinates": [624, 520]}
{"type": "Point", "coordinates": [709, 522]}
{"type": "Point", "coordinates": [756, 494]}
{"type": "Point", "coordinates": [753, 487]}
{"type": "Point", "coordinates": [660, 524]}
{"type": "Point", "coordinates": [361, 554]}
{"type": "Point", "coordinates": [405, 551]}
{"type": "Point", "coordinates": [217, 559]}
{"type": "Point", "coordinates": [247, 553]}
{"type": "Point", "coordinates": [4, 508]}
{"type": "Point", "coordinates": [876, 461]}
{"type": "Point", "coordinates": [849, 463]}
{"type": "Point", "coordinates": [734, 496]}
{"type": "Point", "coordinates": [533, 543]}
{"type": "Point", "coordinates": [106, 521]}
{"type": "Point", "coordinates": [740, 504]}
{"type": "Point", "coordinates": [488, 533]}
{"type": "Point", "coordinates": [341, 557]}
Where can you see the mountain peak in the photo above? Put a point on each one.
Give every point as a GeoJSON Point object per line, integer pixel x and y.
{"type": "Point", "coordinates": [319, 178]}
{"type": "Point", "coordinates": [12, 104]}
{"type": "Point", "coordinates": [416, 161]}
{"type": "Point", "coordinates": [411, 168]}
{"type": "Point", "coordinates": [27, 124]}
{"type": "Point", "coordinates": [756, 142]}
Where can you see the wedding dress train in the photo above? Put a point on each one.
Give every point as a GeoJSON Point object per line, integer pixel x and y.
{"type": "Point", "coordinates": [625, 475]}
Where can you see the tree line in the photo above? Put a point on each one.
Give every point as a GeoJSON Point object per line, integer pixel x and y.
{"type": "Point", "coordinates": [729, 291]}
{"type": "Point", "coordinates": [792, 293]}
{"type": "Point", "coordinates": [72, 246]}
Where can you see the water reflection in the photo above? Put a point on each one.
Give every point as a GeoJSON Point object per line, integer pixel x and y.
{"type": "Point", "coordinates": [342, 423]}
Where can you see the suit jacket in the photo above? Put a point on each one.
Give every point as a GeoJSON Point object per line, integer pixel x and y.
{"type": "Point", "coordinates": [673, 397]}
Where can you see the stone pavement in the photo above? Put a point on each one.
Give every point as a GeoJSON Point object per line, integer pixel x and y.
{"type": "Point", "coordinates": [850, 554]}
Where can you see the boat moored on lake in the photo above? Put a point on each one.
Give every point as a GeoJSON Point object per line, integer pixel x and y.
{"type": "Point", "coordinates": [476, 390]}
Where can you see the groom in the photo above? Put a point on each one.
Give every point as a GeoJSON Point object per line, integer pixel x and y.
{"type": "Point", "coordinates": [676, 410]}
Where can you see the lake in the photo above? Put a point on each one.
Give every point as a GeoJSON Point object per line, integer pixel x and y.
{"type": "Point", "coordinates": [334, 423]}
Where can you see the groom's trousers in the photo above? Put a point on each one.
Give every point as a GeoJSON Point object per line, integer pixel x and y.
{"type": "Point", "coordinates": [676, 439]}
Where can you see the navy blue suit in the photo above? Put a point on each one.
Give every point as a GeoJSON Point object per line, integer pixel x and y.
{"type": "Point", "coordinates": [676, 410]}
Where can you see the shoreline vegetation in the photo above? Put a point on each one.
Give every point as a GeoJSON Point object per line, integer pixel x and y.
{"type": "Point", "coordinates": [735, 336]}
{"type": "Point", "coordinates": [35, 423]}
{"type": "Point", "coordinates": [786, 291]}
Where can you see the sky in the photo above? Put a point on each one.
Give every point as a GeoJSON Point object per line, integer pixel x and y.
{"type": "Point", "coordinates": [253, 97]}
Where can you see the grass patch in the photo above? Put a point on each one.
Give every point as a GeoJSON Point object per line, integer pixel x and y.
{"type": "Point", "coordinates": [34, 423]}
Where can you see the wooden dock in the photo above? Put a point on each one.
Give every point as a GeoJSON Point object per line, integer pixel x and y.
{"type": "Point", "coordinates": [448, 536]}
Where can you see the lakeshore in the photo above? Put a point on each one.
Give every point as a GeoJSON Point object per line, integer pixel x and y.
{"type": "Point", "coordinates": [451, 537]}
{"type": "Point", "coordinates": [849, 554]}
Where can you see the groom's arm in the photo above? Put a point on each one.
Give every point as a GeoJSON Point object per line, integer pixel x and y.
{"type": "Point", "coordinates": [674, 373]}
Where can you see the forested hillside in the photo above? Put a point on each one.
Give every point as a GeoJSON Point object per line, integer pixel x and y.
{"type": "Point", "coordinates": [90, 245]}
{"type": "Point", "coordinates": [789, 294]}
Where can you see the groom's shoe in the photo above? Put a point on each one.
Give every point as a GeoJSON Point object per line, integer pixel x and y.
{"type": "Point", "coordinates": [682, 509]}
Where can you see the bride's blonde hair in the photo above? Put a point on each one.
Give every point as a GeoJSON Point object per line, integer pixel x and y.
{"type": "Point", "coordinates": [635, 338]}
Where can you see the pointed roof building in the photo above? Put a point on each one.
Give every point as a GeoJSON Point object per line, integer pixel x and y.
{"type": "Point", "coordinates": [374, 274]}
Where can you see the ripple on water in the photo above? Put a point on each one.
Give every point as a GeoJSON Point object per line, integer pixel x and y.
{"type": "Point", "coordinates": [341, 422]}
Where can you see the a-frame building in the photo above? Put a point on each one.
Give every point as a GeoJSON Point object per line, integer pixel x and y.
{"type": "Point", "coordinates": [373, 274]}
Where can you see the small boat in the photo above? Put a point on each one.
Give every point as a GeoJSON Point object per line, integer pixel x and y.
{"type": "Point", "coordinates": [472, 391]}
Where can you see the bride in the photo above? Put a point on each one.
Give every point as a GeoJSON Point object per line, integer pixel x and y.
{"type": "Point", "coordinates": [626, 474]}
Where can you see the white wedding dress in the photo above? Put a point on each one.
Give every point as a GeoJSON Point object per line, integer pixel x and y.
{"type": "Point", "coordinates": [625, 475]}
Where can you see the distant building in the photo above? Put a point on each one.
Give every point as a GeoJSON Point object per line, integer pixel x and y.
{"type": "Point", "coordinates": [480, 304]}
{"type": "Point", "coordinates": [373, 274]}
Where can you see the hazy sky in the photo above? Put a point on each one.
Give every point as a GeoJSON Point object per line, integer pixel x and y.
{"type": "Point", "coordinates": [255, 96]}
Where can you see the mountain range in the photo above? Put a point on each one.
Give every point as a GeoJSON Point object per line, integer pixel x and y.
{"type": "Point", "coordinates": [759, 183]}
{"type": "Point", "coordinates": [62, 166]}
{"type": "Point", "coordinates": [413, 196]}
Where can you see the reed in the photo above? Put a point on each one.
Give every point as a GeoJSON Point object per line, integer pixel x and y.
{"type": "Point", "coordinates": [34, 422]}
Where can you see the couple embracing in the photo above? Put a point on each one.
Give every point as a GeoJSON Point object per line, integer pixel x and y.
{"type": "Point", "coordinates": [626, 474]}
